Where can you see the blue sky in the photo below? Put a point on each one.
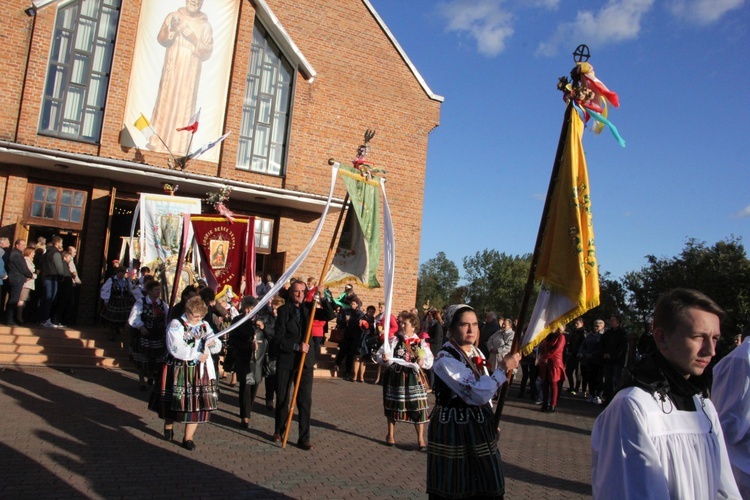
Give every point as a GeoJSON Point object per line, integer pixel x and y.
{"type": "Point", "coordinates": [682, 71]}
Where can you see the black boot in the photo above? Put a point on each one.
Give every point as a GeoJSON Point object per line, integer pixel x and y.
{"type": "Point", "coordinates": [19, 313]}
{"type": "Point", "coordinates": [9, 317]}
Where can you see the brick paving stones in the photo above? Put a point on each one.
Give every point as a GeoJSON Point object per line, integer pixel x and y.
{"type": "Point", "coordinates": [88, 434]}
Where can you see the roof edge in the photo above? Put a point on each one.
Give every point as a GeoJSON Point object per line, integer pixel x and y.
{"type": "Point", "coordinates": [282, 38]}
{"type": "Point", "coordinates": [401, 51]}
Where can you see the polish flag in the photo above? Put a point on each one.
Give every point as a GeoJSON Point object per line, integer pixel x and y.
{"type": "Point", "coordinates": [193, 125]}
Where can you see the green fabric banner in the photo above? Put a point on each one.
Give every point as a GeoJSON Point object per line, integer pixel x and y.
{"type": "Point", "coordinates": [358, 252]}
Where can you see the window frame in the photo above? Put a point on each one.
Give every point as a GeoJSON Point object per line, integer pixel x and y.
{"type": "Point", "coordinates": [258, 248]}
{"type": "Point", "coordinates": [52, 114]}
{"type": "Point", "coordinates": [243, 161]}
{"type": "Point", "coordinates": [43, 221]}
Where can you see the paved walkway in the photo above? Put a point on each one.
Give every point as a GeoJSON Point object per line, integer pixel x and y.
{"type": "Point", "coordinates": [88, 434]}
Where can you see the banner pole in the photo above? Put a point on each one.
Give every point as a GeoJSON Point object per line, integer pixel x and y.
{"type": "Point", "coordinates": [308, 333]}
{"type": "Point", "coordinates": [534, 259]}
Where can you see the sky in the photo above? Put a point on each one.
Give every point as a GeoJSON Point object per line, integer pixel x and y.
{"type": "Point", "coordinates": [681, 69]}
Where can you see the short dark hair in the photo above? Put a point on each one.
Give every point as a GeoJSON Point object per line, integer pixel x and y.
{"type": "Point", "coordinates": [207, 294]}
{"type": "Point", "coordinates": [671, 306]}
{"type": "Point", "coordinates": [411, 318]}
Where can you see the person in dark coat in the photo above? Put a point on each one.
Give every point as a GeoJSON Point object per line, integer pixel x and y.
{"type": "Point", "coordinates": [291, 327]}
{"type": "Point", "coordinates": [18, 274]}
{"type": "Point", "coordinates": [250, 343]}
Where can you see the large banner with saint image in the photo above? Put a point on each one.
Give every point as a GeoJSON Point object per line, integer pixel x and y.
{"type": "Point", "coordinates": [161, 226]}
{"type": "Point", "coordinates": [227, 251]}
{"type": "Point", "coordinates": [181, 65]}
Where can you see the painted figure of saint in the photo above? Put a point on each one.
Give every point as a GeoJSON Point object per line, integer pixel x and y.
{"type": "Point", "coordinates": [218, 256]}
{"type": "Point", "coordinates": [188, 38]}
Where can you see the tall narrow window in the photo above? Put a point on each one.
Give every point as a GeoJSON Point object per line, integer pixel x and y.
{"type": "Point", "coordinates": [79, 67]}
{"type": "Point", "coordinates": [267, 106]}
{"type": "Point", "coordinates": [263, 235]}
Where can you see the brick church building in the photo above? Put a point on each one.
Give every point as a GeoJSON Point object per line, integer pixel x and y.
{"type": "Point", "coordinates": [293, 82]}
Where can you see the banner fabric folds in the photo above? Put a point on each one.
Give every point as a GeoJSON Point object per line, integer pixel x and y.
{"type": "Point", "coordinates": [567, 267]}
{"type": "Point", "coordinates": [227, 250]}
{"type": "Point", "coordinates": [161, 226]}
{"type": "Point", "coordinates": [284, 278]}
{"type": "Point", "coordinates": [358, 252]}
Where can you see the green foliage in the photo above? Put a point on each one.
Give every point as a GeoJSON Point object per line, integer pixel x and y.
{"type": "Point", "coordinates": [496, 282]}
{"type": "Point", "coordinates": [721, 271]}
{"type": "Point", "coordinates": [437, 281]}
{"type": "Point", "coordinates": [612, 300]}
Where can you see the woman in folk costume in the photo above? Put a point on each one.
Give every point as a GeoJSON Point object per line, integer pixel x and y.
{"type": "Point", "coordinates": [463, 460]}
{"type": "Point", "coordinates": [148, 323]}
{"type": "Point", "coordinates": [404, 380]}
{"type": "Point", "coordinates": [117, 294]}
{"type": "Point", "coordinates": [187, 390]}
{"type": "Point", "coordinates": [551, 368]}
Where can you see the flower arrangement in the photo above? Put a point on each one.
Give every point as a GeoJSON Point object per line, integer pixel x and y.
{"type": "Point", "coordinates": [221, 196]}
{"type": "Point", "coordinates": [218, 200]}
{"type": "Point", "coordinates": [170, 189]}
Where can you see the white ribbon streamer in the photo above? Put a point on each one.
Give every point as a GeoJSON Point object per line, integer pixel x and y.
{"type": "Point", "coordinates": [292, 269]}
{"type": "Point", "coordinates": [389, 267]}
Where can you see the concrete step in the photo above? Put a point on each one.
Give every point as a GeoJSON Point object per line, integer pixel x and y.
{"type": "Point", "coordinates": [65, 360]}
{"type": "Point", "coordinates": [58, 341]}
{"type": "Point", "coordinates": [62, 349]}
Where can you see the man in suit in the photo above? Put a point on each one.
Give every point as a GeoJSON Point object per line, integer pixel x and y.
{"type": "Point", "coordinates": [18, 274]}
{"type": "Point", "coordinates": [291, 326]}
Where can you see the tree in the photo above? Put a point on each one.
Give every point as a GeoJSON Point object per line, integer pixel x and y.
{"type": "Point", "coordinates": [437, 281]}
{"type": "Point", "coordinates": [612, 300]}
{"type": "Point", "coordinates": [721, 271]}
{"type": "Point", "coordinates": [496, 281]}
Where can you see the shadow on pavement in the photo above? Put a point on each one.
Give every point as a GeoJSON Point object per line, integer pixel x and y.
{"type": "Point", "coordinates": [101, 450]}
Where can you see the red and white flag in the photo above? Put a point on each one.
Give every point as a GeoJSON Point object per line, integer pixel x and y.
{"type": "Point", "coordinates": [193, 125]}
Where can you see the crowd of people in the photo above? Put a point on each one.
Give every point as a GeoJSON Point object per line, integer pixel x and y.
{"type": "Point", "coordinates": [38, 282]}
{"type": "Point", "coordinates": [673, 425]}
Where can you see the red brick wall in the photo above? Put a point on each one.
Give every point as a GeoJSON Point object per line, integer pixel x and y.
{"type": "Point", "coordinates": [361, 83]}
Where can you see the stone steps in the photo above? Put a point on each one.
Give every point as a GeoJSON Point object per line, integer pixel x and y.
{"type": "Point", "coordinates": [34, 345]}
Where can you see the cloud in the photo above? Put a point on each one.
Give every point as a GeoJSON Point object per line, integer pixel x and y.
{"type": "Point", "coordinates": [703, 11]}
{"type": "Point", "coordinates": [483, 20]}
{"type": "Point", "coordinates": [617, 21]}
{"type": "Point", "coordinates": [745, 212]}
{"type": "Point", "coordinates": [547, 4]}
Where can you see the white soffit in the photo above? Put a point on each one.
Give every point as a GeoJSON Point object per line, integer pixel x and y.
{"type": "Point", "coordinates": [400, 50]}
{"type": "Point", "coordinates": [282, 38]}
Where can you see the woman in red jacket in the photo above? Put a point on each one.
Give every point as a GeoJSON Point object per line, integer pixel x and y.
{"type": "Point", "coordinates": [551, 368]}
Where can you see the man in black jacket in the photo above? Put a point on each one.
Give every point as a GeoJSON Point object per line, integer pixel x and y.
{"type": "Point", "coordinates": [615, 353]}
{"type": "Point", "coordinates": [18, 274]}
{"type": "Point", "coordinates": [52, 273]}
{"type": "Point", "coordinates": [289, 340]}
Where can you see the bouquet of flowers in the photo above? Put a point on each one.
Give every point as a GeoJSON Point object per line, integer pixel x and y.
{"type": "Point", "coordinates": [218, 200]}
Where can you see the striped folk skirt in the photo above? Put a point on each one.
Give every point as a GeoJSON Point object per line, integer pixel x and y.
{"type": "Point", "coordinates": [147, 352]}
{"type": "Point", "coordinates": [405, 395]}
{"type": "Point", "coordinates": [463, 459]}
{"type": "Point", "coordinates": [181, 394]}
{"type": "Point", "coordinates": [117, 310]}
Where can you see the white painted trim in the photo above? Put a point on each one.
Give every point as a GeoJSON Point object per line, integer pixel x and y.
{"type": "Point", "coordinates": [400, 50]}
{"type": "Point", "coordinates": [282, 38]}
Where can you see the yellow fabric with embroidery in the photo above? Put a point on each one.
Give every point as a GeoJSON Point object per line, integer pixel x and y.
{"type": "Point", "coordinates": [567, 264]}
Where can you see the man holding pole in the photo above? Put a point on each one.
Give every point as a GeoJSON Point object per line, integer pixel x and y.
{"type": "Point", "coordinates": [291, 326]}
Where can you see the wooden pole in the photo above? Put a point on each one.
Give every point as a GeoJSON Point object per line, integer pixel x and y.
{"type": "Point", "coordinates": [329, 258]}
{"type": "Point", "coordinates": [535, 258]}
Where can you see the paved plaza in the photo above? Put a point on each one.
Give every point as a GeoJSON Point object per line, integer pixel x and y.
{"type": "Point", "coordinates": [88, 434]}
